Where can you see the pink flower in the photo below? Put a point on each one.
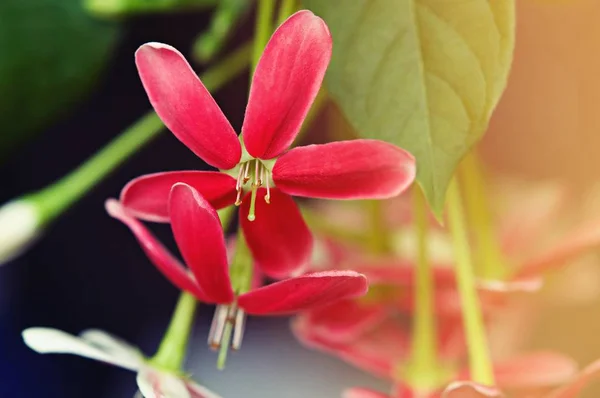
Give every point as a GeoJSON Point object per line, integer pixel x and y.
{"type": "Point", "coordinates": [200, 239]}
{"type": "Point", "coordinates": [286, 81]}
{"type": "Point", "coordinates": [528, 375]}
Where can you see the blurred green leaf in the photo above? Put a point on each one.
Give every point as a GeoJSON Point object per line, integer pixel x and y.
{"type": "Point", "coordinates": [118, 8]}
{"type": "Point", "coordinates": [51, 52]}
{"type": "Point", "coordinates": [422, 74]}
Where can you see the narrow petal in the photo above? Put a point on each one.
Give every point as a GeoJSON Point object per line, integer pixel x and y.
{"type": "Point", "coordinates": [278, 238]}
{"type": "Point", "coordinates": [200, 239]}
{"type": "Point", "coordinates": [303, 293]}
{"type": "Point", "coordinates": [498, 292]}
{"type": "Point", "coordinates": [111, 345]}
{"type": "Point", "coordinates": [345, 320]}
{"type": "Point", "coordinates": [356, 169]}
{"type": "Point", "coordinates": [574, 387]}
{"type": "Point", "coordinates": [377, 351]}
{"type": "Point", "coordinates": [574, 244]}
{"type": "Point", "coordinates": [285, 84]}
{"type": "Point", "coordinates": [171, 268]}
{"type": "Point", "coordinates": [534, 370]}
{"type": "Point", "coordinates": [185, 105]}
{"type": "Point", "coordinates": [155, 384]}
{"type": "Point", "coordinates": [467, 389]}
{"type": "Point", "coordinates": [147, 197]}
{"type": "Point", "coordinates": [363, 393]}
{"type": "Point", "coordinates": [198, 391]}
{"type": "Point", "coordinates": [53, 341]}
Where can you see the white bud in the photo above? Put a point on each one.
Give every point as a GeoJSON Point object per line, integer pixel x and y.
{"type": "Point", "coordinates": [20, 225]}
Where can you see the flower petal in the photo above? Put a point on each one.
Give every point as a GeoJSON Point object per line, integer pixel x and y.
{"type": "Point", "coordinates": [200, 239]}
{"type": "Point", "coordinates": [198, 391]}
{"type": "Point", "coordinates": [494, 293]}
{"type": "Point", "coordinates": [534, 370]}
{"type": "Point", "coordinates": [467, 389]}
{"type": "Point", "coordinates": [303, 292]}
{"type": "Point", "coordinates": [147, 197]}
{"type": "Point", "coordinates": [345, 320]}
{"type": "Point", "coordinates": [278, 238]}
{"type": "Point", "coordinates": [111, 344]}
{"type": "Point", "coordinates": [185, 105]}
{"type": "Point", "coordinates": [171, 268]}
{"type": "Point", "coordinates": [363, 393]}
{"type": "Point", "coordinates": [53, 341]}
{"type": "Point", "coordinates": [155, 384]}
{"type": "Point", "coordinates": [573, 388]}
{"type": "Point", "coordinates": [574, 244]}
{"type": "Point", "coordinates": [285, 84]}
{"type": "Point", "coordinates": [356, 169]}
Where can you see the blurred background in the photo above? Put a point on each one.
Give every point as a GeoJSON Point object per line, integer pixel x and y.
{"type": "Point", "coordinates": [68, 85]}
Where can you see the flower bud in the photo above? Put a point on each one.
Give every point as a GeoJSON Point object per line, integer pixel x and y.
{"type": "Point", "coordinates": [20, 225]}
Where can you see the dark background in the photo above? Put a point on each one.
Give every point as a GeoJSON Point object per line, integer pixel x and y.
{"type": "Point", "coordinates": [87, 270]}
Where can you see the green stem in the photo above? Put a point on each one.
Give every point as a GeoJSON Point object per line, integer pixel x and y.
{"type": "Point", "coordinates": [286, 8]}
{"type": "Point", "coordinates": [488, 252]}
{"type": "Point", "coordinates": [263, 29]}
{"type": "Point", "coordinates": [379, 239]}
{"type": "Point", "coordinates": [171, 353]}
{"type": "Point", "coordinates": [59, 196]}
{"type": "Point", "coordinates": [479, 356]}
{"type": "Point", "coordinates": [424, 344]}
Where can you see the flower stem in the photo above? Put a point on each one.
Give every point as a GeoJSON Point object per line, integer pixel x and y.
{"type": "Point", "coordinates": [56, 198]}
{"type": "Point", "coordinates": [286, 8]}
{"type": "Point", "coordinates": [171, 353]}
{"type": "Point", "coordinates": [378, 237]}
{"type": "Point", "coordinates": [263, 29]}
{"type": "Point", "coordinates": [479, 356]}
{"type": "Point", "coordinates": [488, 252]}
{"type": "Point", "coordinates": [424, 344]}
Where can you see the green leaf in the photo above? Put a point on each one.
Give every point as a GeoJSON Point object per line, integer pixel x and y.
{"type": "Point", "coordinates": [52, 52]}
{"type": "Point", "coordinates": [422, 74]}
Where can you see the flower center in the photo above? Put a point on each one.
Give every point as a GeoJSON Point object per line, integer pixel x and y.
{"type": "Point", "coordinates": [252, 170]}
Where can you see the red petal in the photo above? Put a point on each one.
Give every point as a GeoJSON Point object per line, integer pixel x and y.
{"type": "Point", "coordinates": [278, 238]}
{"type": "Point", "coordinates": [534, 370]}
{"type": "Point", "coordinates": [199, 236]}
{"type": "Point", "coordinates": [363, 393]}
{"type": "Point", "coordinates": [158, 255]}
{"type": "Point", "coordinates": [345, 320]}
{"type": "Point", "coordinates": [304, 292]}
{"type": "Point", "coordinates": [573, 388]}
{"type": "Point", "coordinates": [467, 389]}
{"type": "Point", "coordinates": [285, 84]}
{"type": "Point", "coordinates": [356, 169]}
{"type": "Point", "coordinates": [147, 197]}
{"type": "Point", "coordinates": [185, 105]}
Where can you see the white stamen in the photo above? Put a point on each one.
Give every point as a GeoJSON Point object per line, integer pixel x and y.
{"type": "Point", "coordinates": [238, 330]}
{"type": "Point", "coordinates": [218, 326]}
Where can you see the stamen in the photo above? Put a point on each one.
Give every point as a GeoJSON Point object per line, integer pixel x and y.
{"type": "Point", "coordinates": [251, 213]}
{"type": "Point", "coordinates": [268, 195]}
{"type": "Point", "coordinates": [257, 173]}
{"type": "Point", "coordinates": [238, 330]}
{"type": "Point", "coordinates": [229, 321]}
{"type": "Point", "coordinates": [246, 172]}
{"type": "Point", "coordinates": [217, 327]}
{"type": "Point", "coordinates": [238, 182]}
{"type": "Point", "coordinates": [238, 198]}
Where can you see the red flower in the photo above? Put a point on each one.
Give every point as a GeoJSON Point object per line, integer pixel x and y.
{"type": "Point", "coordinates": [200, 239]}
{"type": "Point", "coordinates": [286, 81]}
